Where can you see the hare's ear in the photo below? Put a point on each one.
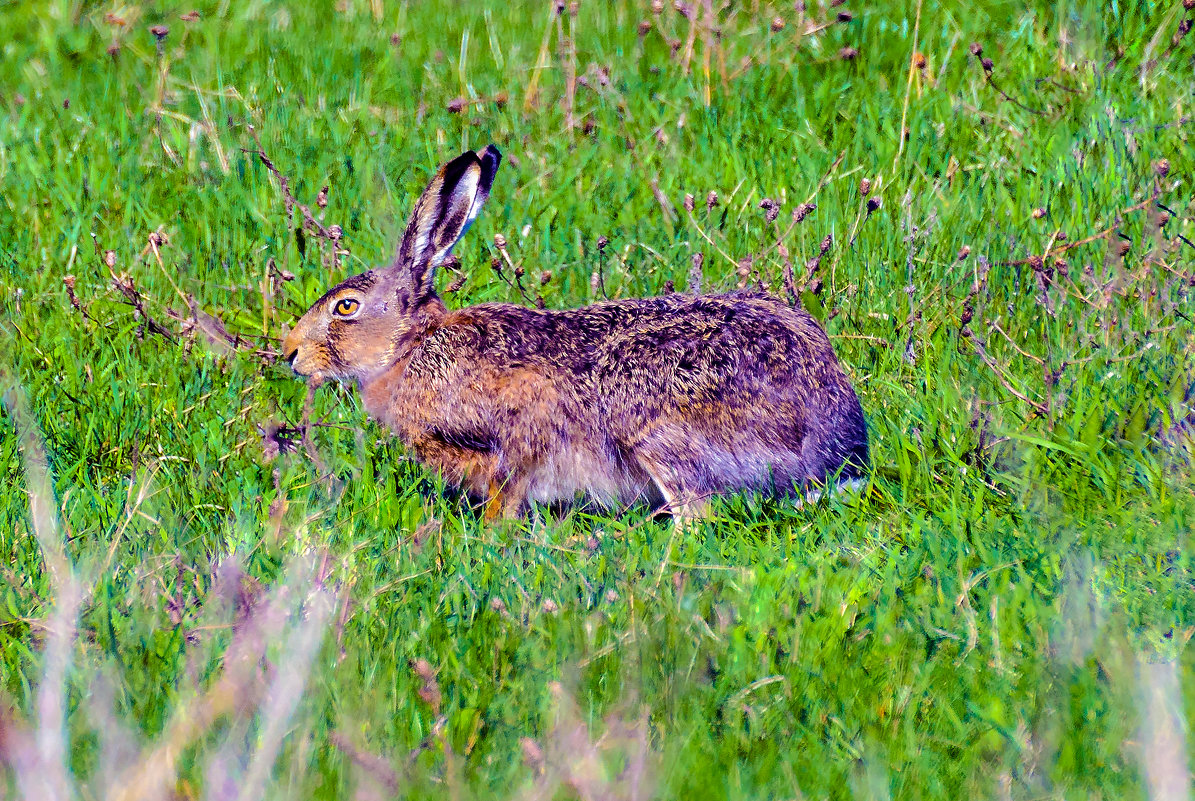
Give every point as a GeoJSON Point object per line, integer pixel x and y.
{"type": "Point", "coordinates": [442, 214]}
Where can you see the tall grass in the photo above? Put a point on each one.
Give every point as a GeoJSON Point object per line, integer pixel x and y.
{"type": "Point", "coordinates": [219, 584]}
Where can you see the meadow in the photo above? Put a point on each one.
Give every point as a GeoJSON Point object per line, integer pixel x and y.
{"type": "Point", "coordinates": [219, 585]}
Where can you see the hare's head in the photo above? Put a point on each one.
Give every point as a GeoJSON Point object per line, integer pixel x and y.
{"type": "Point", "coordinates": [359, 327]}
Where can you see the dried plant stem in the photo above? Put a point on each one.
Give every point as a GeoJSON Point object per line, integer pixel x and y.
{"type": "Point", "coordinates": [1086, 240]}
{"type": "Point", "coordinates": [904, 112]}
{"type": "Point", "coordinates": [541, 63]}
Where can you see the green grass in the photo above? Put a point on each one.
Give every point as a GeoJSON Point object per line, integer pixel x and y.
{"type": "Point", "coordinates": [1005, 612]}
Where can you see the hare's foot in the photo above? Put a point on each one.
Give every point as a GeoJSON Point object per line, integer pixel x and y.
{"type": "Point", "coordinates": [684, 506]}
{"type": "Point", "coordinates": [687, 512]}
{"type": "Point", "coordinates": [505, 500]}
{"type": "Point", "coordinates": [812, 496]}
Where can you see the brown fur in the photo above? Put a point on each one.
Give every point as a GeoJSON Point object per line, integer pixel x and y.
{"type": "Point", "coordinates": [666, 400]}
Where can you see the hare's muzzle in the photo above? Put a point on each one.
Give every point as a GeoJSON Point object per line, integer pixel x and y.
{"type": "Point", "coordinates": [290, 347]}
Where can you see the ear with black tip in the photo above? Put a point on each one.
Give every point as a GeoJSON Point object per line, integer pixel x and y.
{"type": "Point", "coordinates": [441, 216]}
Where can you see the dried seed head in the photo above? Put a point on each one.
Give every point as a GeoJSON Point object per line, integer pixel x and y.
{"type": "Point", "coordinates": [669, 287]}
{"type": "Point", "coordinates": [976, 49]}
{"type": "Point", "coordinates": [519, 271]}
{"type": "Point", "coordinates": [496, 265]}
{"type": "Point", "coordinates": [113, 48]}
{"type": "Point", "coordinates": [865, 187]}
{"type": "Point", "coordinates": [456, 284]}
{"type": "Point", "coordinates": [500, 241]}
{"type": "Point", "coordinates": [968, 313]}
{"type": "Point", "coordinates": [964, 252]}
{"type": "Point", "coordinates": [644, 27]}
{"type": "Point", "coordinates": [395, 39]}
{"type": "Point", "coordinates": [110, 258]}
{"type": "Point", "coordinates": [595, 282]}
{"type": "Point", "coordinates": [826, 244]}
{"type": "Point", "coordinates": [688, 202]}
{"type": "Point", "coordinates": [1163, 218]}
{"type": "Point", "coordinates": [573, 8]}
{"type": "Point", "coordinates": [601, 243]}
{"type": "Point", "coordinates": [545, 277]}
{"type": "Point", "coordinates": [457, 105]}
{"type": "Point", "coordinates": [550, 606]}
{"type": "Point", "coordinates": [68, 281]}
{"type": "Point", "coordinates": [1038, 213]}
{"type": "Point", "coordinates": [1184, 28]}
{"type": "Point", "coordinates": [1036, 263]}
{"type": "Point", "coordinates": [848, 54]}
{"type": "Point", "coordinates": [190, 16]}
{"type": "Point", "coordinates": [987, 64]}
{"type": "Point", "coordinates": [112, 19]}
{"type": "Point", "coordinates": [802, 211]}
{"type": "Point", "coordinates": [711, 200]}
{"type": "Point", "coordinates": [1123, 247]}
{"type": "Point", "coordinates": [1162, 168]}
{"type": "Point", "coordinates": [845, 16]}
{"type": "Point", "coordinates": [1188, 4]}
{"type": "Point", "coordinates": [336, 232]}
{"type": "Point", "coordinates": [1060, 236]}
{"type": "Point", "coordinates": [771, 209]}
{"type": "Point", "coordinates": [874, 203]}
{"type": "Point", "coordinates": [498, 605]}
{"type": "Point", "coordinates": [559, 7]}
{"type": "Point", "coordinates": [919, 62]}
{"type": "Point", "coordinates": [159, 31]}
{"type": "Point", "coordinates": [321, 199]}
{"type": "Point", "coordinates": [657, 6]}
{"type": "Point", "coordinates": [777, 24]}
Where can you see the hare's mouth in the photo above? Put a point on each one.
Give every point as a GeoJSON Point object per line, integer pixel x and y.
{"type": "Point", "coordinates": [302, 365]}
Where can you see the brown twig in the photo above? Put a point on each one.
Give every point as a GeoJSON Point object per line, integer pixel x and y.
{"type": "Point", "coordinates": [1071, 245]}
{"type": "Point", "coordinates": [1039, 407]}
{"type": "Point", "coordinates": [332, 234]}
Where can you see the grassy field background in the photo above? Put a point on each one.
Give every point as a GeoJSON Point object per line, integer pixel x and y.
{"type": "Point", "coordinates": [216, 587]}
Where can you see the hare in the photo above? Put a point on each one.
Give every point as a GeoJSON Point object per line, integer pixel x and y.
{"type": "Point", "coordinates": [668, 400]}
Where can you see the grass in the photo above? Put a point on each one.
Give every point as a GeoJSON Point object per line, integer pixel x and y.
{"type": "Point", "coordinates": [211, 591]}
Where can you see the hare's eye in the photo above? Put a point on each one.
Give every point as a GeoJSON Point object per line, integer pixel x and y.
{"type": "Point", "coordinates": [346, 307]}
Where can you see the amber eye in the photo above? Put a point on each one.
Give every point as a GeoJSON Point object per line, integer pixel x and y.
{"type": "Point", "coordinates": [346, 307]}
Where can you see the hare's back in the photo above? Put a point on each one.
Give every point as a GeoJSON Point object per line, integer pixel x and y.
{"type": "Point", "coordinates": [715, 349]}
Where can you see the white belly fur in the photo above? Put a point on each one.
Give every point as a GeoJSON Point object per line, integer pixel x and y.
{"type": "Point", "coordinates": [572, 472]}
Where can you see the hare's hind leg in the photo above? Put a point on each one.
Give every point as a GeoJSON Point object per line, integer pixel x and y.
{"type": "Point", "coordinates": [685, 505]}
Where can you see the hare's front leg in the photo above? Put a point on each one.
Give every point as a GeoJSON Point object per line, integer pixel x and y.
{"type": "Point", "coordinates": [506, 498]}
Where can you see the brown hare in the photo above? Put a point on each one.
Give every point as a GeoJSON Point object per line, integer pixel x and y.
{"type": "Point", "coordinates": [668, 400]}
